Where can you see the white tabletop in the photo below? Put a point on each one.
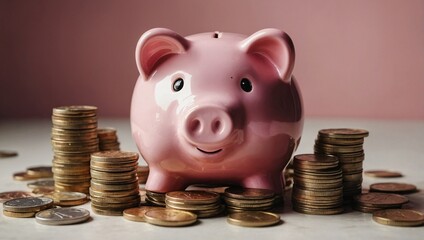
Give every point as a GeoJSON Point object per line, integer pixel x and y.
{"type": "Point", "coordinates": [392, 145]}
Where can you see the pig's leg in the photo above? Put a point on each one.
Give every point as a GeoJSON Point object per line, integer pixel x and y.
{"type": "Point", "coordinates": [164, 182]}
{"type": "Point", "coordinates": [272, 181]}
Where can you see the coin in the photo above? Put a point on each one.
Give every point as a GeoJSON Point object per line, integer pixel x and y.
{"type": "Point", "coordinates": [392, 187]}
{"type": "Point", "coordinates": [62, 216]}
{"type": "Point", "coordinates": [40, 171]}
{"type": "Point", "coordinates": [170, 217]}
{"type": "Point", "coordinates": [375, 199]}
{"type": "Point", "coordinates": [137, 214]}
{"type": "Point", "coordinates": [69, 198]}
{"type": "Point", "coordinates": [23, 176]}
{"type": "Point", "coordinates": [344, 133]}
{"type": "Point", "coordinates": [399, 217]}
{"type": "Point", "coordinates": [7, 154]}
{"type": "Point", "coordinates": [5, 196]}
{"type": "Point", "coordinates": [383, 174]}
{"type": "Point", "coordinates": [45, 183]}
{"type": "Point", "coordinates": [28, 204]}
{"type": "Point", "coordinates": [193, 196]}
{"type": "Point", "coordinates": [253, 219]}
{"type": "Point", "coordinates": [248, 193]}
{"type": "Point", "coordinates": [18, 214]}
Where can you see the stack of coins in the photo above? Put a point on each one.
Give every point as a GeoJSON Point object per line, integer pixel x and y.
{"type": "Point", "coordinates": [26, 207]}
{"type": "Point", "coordinates": [318, 185]}
{"type": "Point", "coordinates": [155, 198]}
{"type": "Point", "coordinates": [143, 174]}
{"type": "Point", "coordinates": [74, 138]}
{"type": "Point", "coordinates": [108, 140]}
{"type": "Point", "coordinates": [374, 201]}
{"type": "Point", "coordinates": [202, 203]}
{"type": "Point", "coordinates": [114, 183]}
{"type": "Point", "coordinates": [347, 145]}
{"type": "Point", "coordinates": [249, 199]}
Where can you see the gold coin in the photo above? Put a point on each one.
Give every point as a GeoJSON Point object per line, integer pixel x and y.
{"type": "Point", "coordinates": [69, 198]}
{"type": "Point", "coordinates": [106, 212]}
{"type": "Point", "coordinates": [19, 214]}
{"type": "Point", "coordinates": [399, 217]}
{"type": "Point", "coordinates": [5, 196]}
{"type": "Point", "coordinates": [383, 174]}
{"type": "Point", "coordinates": [40, 171]}
{"type": "Point", "coordinates": [137, 214]}
{"type": "Point", "coordinates": [340, 141]}
{"type": "Point", "coordinates": [7, 154]}
{"type": "Point", "coordinates": [167, 217]}
{"type": "Point", "coordinates": [343, 133]}
{"type": "Point", "coordinates": [23, 176]}
{"type": "Point", "coordinates": [392, 187]}
{"type": "Point", "coordinates": [114, 156]}
{"type": "Point", "coordinates": [253, 219]}
{"type": "Point", "coordinates": [248, 193]}
{"type": "Point", "coordinates": [193, 197]}
{"type": "Point", "coordinates": [376, 199]}
{"type": "Point", "coordinates": [312, 211]}
{"type": "Point", "coordinates": [193, 207]}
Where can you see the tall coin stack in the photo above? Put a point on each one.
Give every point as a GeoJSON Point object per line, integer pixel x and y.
{"type": "Point", "coordinates": [318, 185]}
{"type": "Point", "coordinates": [347, 145]}
{"type": "Point", "coordinates": [74, 138]}
{"type": "Point", "coordinates": [108, 139]}
{"type": "Point", "coordinates": [114, 182]}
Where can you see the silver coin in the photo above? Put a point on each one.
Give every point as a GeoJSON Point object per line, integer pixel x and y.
{"type": "Point", "coordinates": [62, 216]}
{"type": "Point", "coordinates": [43, 183]}
{"type": "Point", "coordinates": [28, 204]}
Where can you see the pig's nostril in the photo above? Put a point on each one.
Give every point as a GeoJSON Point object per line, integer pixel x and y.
{"type": "Point", "coordinates": [216, 126]}
{"type": "Point", "coordinates": [195, 126]}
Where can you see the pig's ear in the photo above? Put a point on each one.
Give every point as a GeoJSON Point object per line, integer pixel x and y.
{"type": "Point", "coordinates": [276, 46]}
{"type": "Point", "coordinates": [155, 46]}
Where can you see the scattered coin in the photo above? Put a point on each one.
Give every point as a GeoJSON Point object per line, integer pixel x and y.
{"type": "Point", "coordinates": [399, 217]}
{"type": "Point", "coordinates": [373, 201]}
{"type": "Point", "coordinates": [45, 184]}
{"type": "Point", "coordinates": [19, 214]}
{"type": "Point", "coordinates": [28, 204]}
{"type": "Point", "coordinates": [23, 176]}
{"type": "Point", "coordinates": [253, 219]}
{"type": "Point", "coordinates": [383, 174]}
{"type": "Point", "coordinates": [5, 196]}
{"type": "Point", "coordinates": [170, 217]}
{"type": "Point", "coordinates": [7, 154]}
{"type": "Point", "coordinates": [62, 216]}
{"type": "Point", "coordinates": [137, 214]}
{"type": "Point", "coordinates": [391, 187]}
{"type": "Point", "coordinates": [40, 171]}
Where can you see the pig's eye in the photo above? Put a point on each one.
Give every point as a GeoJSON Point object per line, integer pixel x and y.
{"type": "Point", "coordinates": [246, 85]}
{"type": "Point", "coordinates": [178, 84]}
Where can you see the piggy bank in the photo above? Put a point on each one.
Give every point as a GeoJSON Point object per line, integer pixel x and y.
{"type": "Point", "coordinates": [216, 108]}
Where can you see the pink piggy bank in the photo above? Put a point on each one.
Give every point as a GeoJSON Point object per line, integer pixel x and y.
{"type": "Point", "coordinates": [216, 108]}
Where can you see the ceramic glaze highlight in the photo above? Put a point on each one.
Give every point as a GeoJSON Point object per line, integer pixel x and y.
{"type": "Point", "coordinates": [216, 108]}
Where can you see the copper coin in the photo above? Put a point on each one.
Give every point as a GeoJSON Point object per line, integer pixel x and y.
{"type": "Point", "coordinates": [7, 154]}
{"type": "Point", "coordinates": [375, 199]}
{"type": "Point", "coordinates": [40, 171]}
{"type": "Point", "coordinates": [248, 193]}
{"type": "Point", "coordinates": [193, 196]}
{"type": "Point", "coordinates": [392, 187]}
{"type": "Point", "coordinates": [344, 133]}
{"type": "Point", "coordinates": [399, 217]}
{"type": "Point", "coordinates": [5, 196]}
{"type": "Point", "coordinates": [137, 214]}
{"type": "Point", "coordinates": [382, 174]}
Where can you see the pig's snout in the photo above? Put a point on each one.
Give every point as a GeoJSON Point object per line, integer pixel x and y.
{"type": "Point", "coordinates": [208, 127]}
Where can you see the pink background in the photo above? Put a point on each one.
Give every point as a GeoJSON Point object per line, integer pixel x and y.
{"type": "Point", "coordinates": [361, 59]}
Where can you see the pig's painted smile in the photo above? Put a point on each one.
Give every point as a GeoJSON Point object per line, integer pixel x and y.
{"type": "Point", "coordinates": [209, 152]}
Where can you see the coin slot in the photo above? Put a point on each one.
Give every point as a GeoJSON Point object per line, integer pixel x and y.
{"type": "Point", "coordinates": [217, 34]}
